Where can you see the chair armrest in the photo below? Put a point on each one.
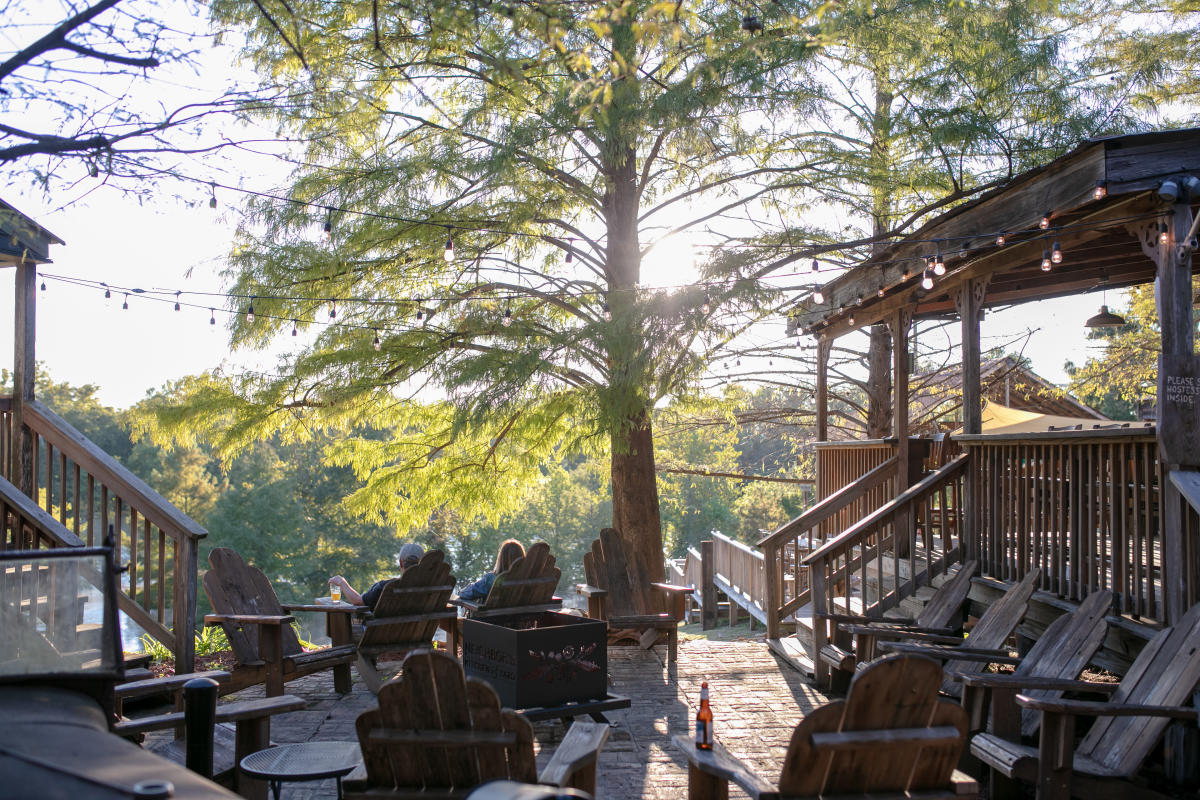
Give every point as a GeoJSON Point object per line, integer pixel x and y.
{"type": "Point", "coordinates": [248, 619]}
{"type": "Point", "coordinates": [590, 591]}
{"type": "Point", "coordinates": [914, 637]}
{"type": "Point", "coordinates": [226, 712]}
{"type": "Point", "coordinates": [375, 622]}
{"type": "Point", "coordinates": [858, 619]}
{"type": "Point", "coordinates": [469, 605]}
{"type": "Point", "coordinates": [1093, 709]}
{"type": "Point", "coordinates": [170, 683]}
{"type": "Point", "coordinates": [720, 763]}
{"type": "Point", "coordinates": [993, 681]}
{"type": "Point", "coordinates": [673, 588]}
{"type": "Point", "coordinates": [946, 653]}
{"type": "Point", "coordinates": [578, 749]}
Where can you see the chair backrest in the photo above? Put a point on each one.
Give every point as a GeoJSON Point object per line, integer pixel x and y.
{"type": "Point", "coordinates": [434, 730]}
{"type": "Point", "coordinates": [1064, 649]}
{"type": "Point", "coordinates": [605, 567]}
{"type": "Point", "coordinates": [235, 587]}
{"type": "Point", "coordinates": [994, 627]}
{"type": "Point", "coordinates": [423, 588]}
{"type": "Point", "coordinates": [835, 749]}
{"type": "Point", "coordinates": [1165, 673]}
{"type": "Point", "coordinates": [530, 580]}
{"type": "Point", "coordinates": [948, 599]}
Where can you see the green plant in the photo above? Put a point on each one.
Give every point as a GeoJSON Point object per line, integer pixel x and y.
{"type": "Point", "coordinates": [211, 640]}
{"type": "Point", "coordinates": [303, 644]}
{"type": "Point", "coordinates": [157, 650]}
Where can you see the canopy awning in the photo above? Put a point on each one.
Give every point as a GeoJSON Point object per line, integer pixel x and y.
{"type": "Point", "coordinates": [998, 418]}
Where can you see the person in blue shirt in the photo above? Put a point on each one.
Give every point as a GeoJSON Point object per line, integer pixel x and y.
{"type": "Point", "coordinates": [477, 592]}
{"type": "Point", "coordinates": [410, 554]}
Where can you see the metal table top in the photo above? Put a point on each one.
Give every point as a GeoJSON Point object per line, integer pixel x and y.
{"type": "Point", "coordinates": [303, 761]}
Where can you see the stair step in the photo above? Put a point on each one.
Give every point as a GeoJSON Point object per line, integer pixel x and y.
{"type": "Point", "coordinates": [794, 654]}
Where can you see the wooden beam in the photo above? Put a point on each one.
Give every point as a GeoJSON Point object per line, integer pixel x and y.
{"type": "Point", "coordinates": [824, 346]}
{"type": "Point", "coordinates": [970, 308]}
{"type": "Point", "coordinates": [24, 372]}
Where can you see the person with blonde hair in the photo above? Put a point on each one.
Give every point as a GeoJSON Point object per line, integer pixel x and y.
{"type": "Point", "coordinates": [510, 550]}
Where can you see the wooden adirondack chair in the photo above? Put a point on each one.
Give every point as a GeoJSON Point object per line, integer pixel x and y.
{"type": "Point", "coordinates": [938, 616]}
{"type": "Point", "coordinates": [260, 632]}
{"type": "Point", "coordinates": [407, 615]}
{"type": "Point", "coordinates": [989, 634]}
{"type": "Point", "coordinates": [891, 737]}
{"type": "Point", "coordinates": [436, 733]}
{"type": "Point", "coordinates": [527, 587]}
{"type": "Point", "coordinates": [1062, 651]}
{"type": "Point", "coordinates": [610, 592]}
{"type": "Point", "coordinates": [1161, 679]}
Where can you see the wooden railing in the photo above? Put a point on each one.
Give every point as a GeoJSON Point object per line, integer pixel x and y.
{"type": "Point", "coordinates": [886, 556]}
{"type": "Point", "coordinates": [90, 493]}
{"type": "Point", "coordinates": [840, 464]}
{"type": "Point", "coordinates": [1085, 507]}
{"type": "Point", "coordinates": [785, 580]}
{"type": "Point", "coordinates": [739, 572]}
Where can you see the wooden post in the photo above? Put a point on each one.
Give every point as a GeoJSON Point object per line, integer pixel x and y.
{"type": "Point", "coordinates": [824, 346]}
{"type": "Point", "coordinates": [970, 305]}
{"type": "Point", "coordinates": [183, 620]}
{"type": "Point", "coordinates": [708, 589]}
{"type": "Point", "coordinates": [899, 324]}
{"type": "Point", "coordinates": [773, 578]}
{"type": "Point", "coordinates": [1178, 432]}
{"type": "Point", "coordinates": [24, 373]}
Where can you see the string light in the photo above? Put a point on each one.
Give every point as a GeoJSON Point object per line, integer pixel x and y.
{"type": "Point", "coordinates": [212, 201]}
{"type": "Point", "coordinates": [1164, 235]}
{"type": "Point", "coordinates": [333, 309]}
{"type": "Point", "coordinates": [1046, 262]}
{"type": "Point", "coordinates": [125, 302]}
{"type": "Point", "coordinates": [818, 297]}
{"type": "Point", "coordinates": [570, 250]}
{"type": "Point", "coordinates": [1056, 255]}
{"type": "Point", "coordinates": [295, 327]}
{"type": "Point", "coordinates": [507, 317]}
{"type": "Point", "coordinates": [250, 310]}
{"type": "Point", "coordinates": [1101, 190]}
{"type": "Point", "coordinates": [107, 292]}
{"type": "Point", "coordinates": [852, 323]}
{"type": "Point", "coordinates": [927, 280]}
{"type": "Point", "coordinates": [882, 291]}
{"type": "Point", "coordinates": [607, 313]}
{"type": "Point", "coordinates": [706, 306]}
{"type": "Point", "coordinates": [378, 343]}
{"type": "Point", "coordinates": [212, 317]}
{"type": "Point", "coordinates": [1001, 239]}
{"type": "Point", "coordinates": [1045, 223]}
{"type": "Point", "coordinates": [449, 252]}
{"type": "Point", "coordinates": [177, 294]}
{"type": "Point", "coordinates": [328, 223]}
{"type": "Point", "coordinates": [815, 265]}
{"type": "Point", "coordinates": [43, 285]}
{"type": "Point", "coordinates": [939, 266]}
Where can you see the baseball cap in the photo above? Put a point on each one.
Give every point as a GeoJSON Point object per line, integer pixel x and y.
{"type": "Point", "coordinates": [410, 554]}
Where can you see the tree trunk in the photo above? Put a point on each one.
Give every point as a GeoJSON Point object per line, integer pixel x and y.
{"type": "Point", "coordinates": [879, 383]}
{"type": "Point", "coordinates": [879, 355]}
{"type": "Point", "coordinates": [635, 509]}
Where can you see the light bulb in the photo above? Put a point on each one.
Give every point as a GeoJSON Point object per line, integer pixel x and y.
{"type": "Point", "coordinates": [250, 311]}
{"type": "Point", "coordinates": [212, 201]}
{"type": "Point", "coordinates": [177, 300]}
{"type": "Point", "coordinates": [332, 309]}
{"type": "Point", "coordinates": [1164, 235]}
{"type": "Point", "coordinates": [570, 250]}
{"type": "Point", "coordinates": [449, 253]}
{"type": "Point", "coordinates": [1045, 223]}
{"type": "Point", "coordinates": [43, 286]}
{"type": "Point", "coordinates": [1056, 254]}
{"type": "Point", "coordinates": [125, 303]}
{"type": "Point", "coordinates": [815, 266]}
{"type": "Point", "coordinates": [939, 266]}
{"type": "Point", "coordinates": [328, 229]}
{"type": "Point", "coordinates": [420, 314]}
{"type": "Point", "coordinates": [607, 313]}
{"type": "Point", "coordinates": [882, 291]}
{"type": "Point", "coordinates": [927, 280]}
{"type": "Point", "coordinates": [378, 343]}
{"type": "Point", "coordinates": [107, 296]}
{"type": "Point", "coordinates": [212, 317]}
{"type": "Point", "coordinates": [818, 297]}
{"type": "Point", "coordinates": [1101, 190]}
{"type": "Point", "coordinates": [1001, 239]}
{"type": "Point", "coordinates": [706, 306]}
{"type": "Point", "coordinates": [852, 319]}
{"type": "Point", "coordinates": [295, 327]}
{"type": "Point", "coordinates": [1046, 262]}
{"type": "Point", "coordinates": [507, 317]}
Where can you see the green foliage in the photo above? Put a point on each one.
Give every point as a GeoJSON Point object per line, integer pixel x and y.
{"type": "Point", "coordinates": [210, 640]}
{"type": "Point", "coordinates": [157, 650]}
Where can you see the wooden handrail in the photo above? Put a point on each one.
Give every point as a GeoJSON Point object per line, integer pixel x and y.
{"type": "Point", "coordinates": [14, 501]}
{"type": "Point", "coordinates": [831, 505]}
{"type": "Point", "coordinates": [850, 536]}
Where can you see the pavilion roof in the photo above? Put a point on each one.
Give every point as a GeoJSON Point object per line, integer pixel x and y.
{"type": "Point", "coordinates": [1103, 241]}
{"type": "Point", "coordinates": [22, 239]}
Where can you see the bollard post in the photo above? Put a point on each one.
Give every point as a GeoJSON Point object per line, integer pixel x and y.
{"type": "Point", "coordinates": [200, 717]}
{"type": "Point", "coordinates": [708, 589]}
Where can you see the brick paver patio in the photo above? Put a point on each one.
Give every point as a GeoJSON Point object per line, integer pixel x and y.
{"type": "Point", "coordinates": [756, 699]}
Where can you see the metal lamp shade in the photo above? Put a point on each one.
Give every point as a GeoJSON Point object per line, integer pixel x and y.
{"type": "Point", "coordinates": [1105, 319]}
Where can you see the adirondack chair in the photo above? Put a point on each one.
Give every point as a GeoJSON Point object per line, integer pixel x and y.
{"type": "Point", "coordinates": [527, 587]}
{"type": "Point", "coordinates": [436, 733]}
{"type": "Point", "coordinates": [938, 616]}
{"type": "Point", "coordinates": [989, 634]}
{"type": "Point", "coordinates": [891, 737]}
{"type": "Point", "coordinates": [610, 592]}
{"type": "Point", "coordinates": [259, 628]}
{"type": "Point", "coordinates": [407, 615]}
{"type": "Point", "coordinates": [1161, 679]}
{"type": "Point", "coordinates": [1062, 651]}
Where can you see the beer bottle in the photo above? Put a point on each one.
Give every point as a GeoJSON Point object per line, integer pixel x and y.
{"type": "Point", "coordinates": [704, 721]}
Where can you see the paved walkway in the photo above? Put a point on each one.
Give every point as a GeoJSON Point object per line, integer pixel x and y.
{"type": "Point", "coordinates": [756, 700]}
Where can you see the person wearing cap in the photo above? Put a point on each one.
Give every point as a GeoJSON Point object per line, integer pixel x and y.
{"type": "Point", "coordinates": [477, 592]}
{"type": "Point", "coordinates": [410, 554]}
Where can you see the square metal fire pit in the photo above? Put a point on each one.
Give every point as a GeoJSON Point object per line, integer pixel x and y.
{"type": "Point", "coordinates": [538, 660]}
